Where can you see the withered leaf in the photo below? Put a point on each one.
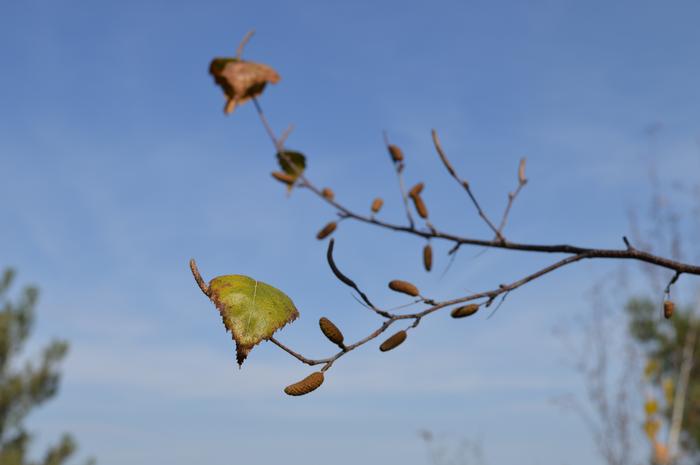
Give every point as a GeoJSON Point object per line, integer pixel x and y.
{"type": "Point", "coordinates": [241, 80]}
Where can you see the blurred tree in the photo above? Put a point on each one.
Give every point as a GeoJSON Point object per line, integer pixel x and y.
{"type": "Point", "coordinates": [22, 388]}
{"type": "Point", "coordinates": [671, 349]}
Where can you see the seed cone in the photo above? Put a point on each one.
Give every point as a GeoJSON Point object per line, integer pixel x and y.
{"type": "Point", "coordinates": [327, 230]}
{"type": "Point", "coordinates": [416, 190]}
{"type": "Point", "coordinates": [328, 193]}
{"type": "Point", "coordinates": [403, 286]}
{"type": "Point", "coordinates": [420, 206]}
{"type": "Point", "coordinates": [393, 341]}
{"type": "Point", "coordinates": [396, 153]}
{"type": "Point", "coordinates": [331, 331]}
{"type": "Point", "coordinates": [306, 385]}
{"type": "Point", "coordinates": [669, 307]}
{"type": "Point", "coordinates": [283, 177]}
{"type": "Point", "coordinates": [377, 205]}
{"type": "Point", "coordinates": [428, 257]}
{"type": "Point", "coordinates": [464, 311]}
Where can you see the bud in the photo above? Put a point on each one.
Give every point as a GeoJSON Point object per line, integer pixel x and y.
{"type": "Point", "coordinates": [331, 331]}
{"type": "Point", "coordinates": [396, 153]}
{"type": "Point", "coordinates": [393, 341]}
{"type": "Point", "coordinates": [428, 257]}
{"type": "Point", "coordinates": [521, 172]}
{"type": "Point", "coordinates": [306, 385]}
{"type": "Point", "coordinates": [420, 206]}
{"type": "Point", "coordinates": [404, 287]}
{"type": "Point", "coordinates": [328, 193]}
{"type": "Point", "coordinates": [464, 311]}
{"type": "Point", "coordinates": [669, 307]}
{"type": "Point", "coordinates": [377, 205]}
{"type": "Point", "coordinates": [326, 231]}
{"type": "Point", "coordinates": [416, 190]}
{"type": "Point", "coordinates": [283, 177]}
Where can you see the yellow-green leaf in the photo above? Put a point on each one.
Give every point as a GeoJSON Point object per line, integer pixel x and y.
{"type": "Point", "coordinates": [250, 309]}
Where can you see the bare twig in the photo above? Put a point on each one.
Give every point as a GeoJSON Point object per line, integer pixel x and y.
{"type": "Point", "coordinates": [349, 282]}
{"type": "Point", "coordinates": [522, 180]}
{"type": "Point", "coordinates": [296, 355]}
{"type": "Point", "coordinates": [465, 185]}
{"type": "Point", "coordinates": [673, 280]}
{"type": "Point", "coordinates": [197, 277]}
{"type": "Point", "coordinates": [398, 167]}
{"type": "Point", "coordinates": [244, 41]}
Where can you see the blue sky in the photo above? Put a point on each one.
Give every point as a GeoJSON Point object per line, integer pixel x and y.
{"type": "Point", "coordinates": [117, 165]}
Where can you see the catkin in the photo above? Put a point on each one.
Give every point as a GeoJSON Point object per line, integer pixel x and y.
{"type": "Point", "coordinates": [377, 205]}
{"type": "Point", "coordinates": [396, 153]}
{"type": "Point", "coordinates": [331, 331]}
{"type": "Point", "coordinates": [428, 257]}
{"type": "Point", "coordinates": [464, 311]}
{"type": "Point", "coordinates": [420, 206]}
{"type": "Point", "coordinates": [328, 193]}
{"type": "Point", "coordinates": [393, 341]}
{"type": "Point", "coordinates": [416, 190]}
{"type": "Point", "coordinates": [669, 307]}
{"type": "Point", "coordinates": [306, 385]}
{"type": "Point", "coordinates": [327, 230]}
{"type": "Point", "coordinates": [283, 177]}
{"type": "Point", "coordinates": [403, 286]}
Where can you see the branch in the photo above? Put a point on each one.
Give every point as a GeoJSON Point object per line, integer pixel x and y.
{"type": "Point", "coordinates": [574, 253]}
{"type": "Point", "coordinates": [398, 166]}
{"type": "Point", "coordinates": [349, 282]}
{"type": "Point", "coordinates": [522, 180]}
{"type": "Point", "coordinates": [464, 184]}
{"type": "Point", "coordinates": [197, 277]}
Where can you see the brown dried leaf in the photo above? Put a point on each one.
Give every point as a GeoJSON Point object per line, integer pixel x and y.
{"type": "Point", "coordinates": [241, 80]}
{"type": "Point", "coordinates": [283, 177]}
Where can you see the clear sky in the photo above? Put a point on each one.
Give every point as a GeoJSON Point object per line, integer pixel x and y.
{"type": "Point", "coordinates": [117, 165]}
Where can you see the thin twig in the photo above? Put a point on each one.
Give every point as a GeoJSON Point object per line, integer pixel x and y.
{"type": "Point", "coordinates": [464, 184]}
{"type": "Point", "coordinates": [197, 277]}
{"type": "Point", "coordinates": [522, 180]}
{"type": "Point", "coordinates": [398, 167]}
{"type": "Point", "coordinates": [244, 41]}
{"type": "Point", "coordinates": [296, 355]}
{"type": "Point", "coordinates": [349, 282]}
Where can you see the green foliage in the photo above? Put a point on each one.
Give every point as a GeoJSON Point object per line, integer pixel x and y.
{"type": "Point", "coordinates": [24, 388]}
{"type": "Point", "coordinates": [663, 341]}
{"type": "Point", "coordinates": [293, 163]}
{"type": "Point", "coordinates": [250, 309]}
